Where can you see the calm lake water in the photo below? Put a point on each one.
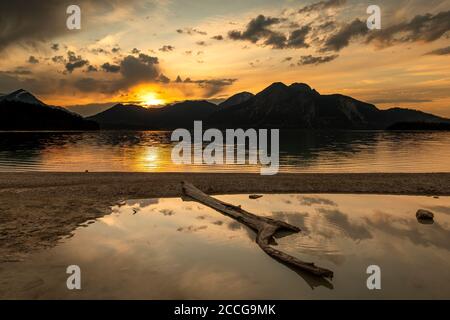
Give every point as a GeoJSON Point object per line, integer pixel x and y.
{"type": "Point", "coordinates": [300, 151]}
{"type": "Point", "coordinates": [170, 249]}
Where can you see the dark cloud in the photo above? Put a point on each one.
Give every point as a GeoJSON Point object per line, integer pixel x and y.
{"type": "Point", "coordinates": [297, 38]}
{"type": "Point", "coordinates": [72, 57]}
{"type": "Point", "coordinates": [322, 5]}
{"type": "Point", "coordinates": [91, 68]}
{"type": "Point", "coordinates": [135, 70]}
{"type": "Point", "coordinates": [276, 40]}
{"type": "Point", "coordinates": [148, 59]}
{"type": "Point", "coordinates": [113, 68]}
{"type": "Point", "coordinates": [201, 43]}
{"type": "Point", "coordinates": [166, 48]}
{"type": "Point", "coordinates": [327, 26]}
{"type": "Point", "coordinates": [10, 81]}
{"type": "Point", "coordinates": [115, 50]}
{"type": "Point", "coordinates": [440, 52]}
{"type": "Point", "coordinates": [162, 78]}
{"type": "Point", "coordinates": [32, 22]}
{"type": "Point", "coordinates": [33, 60]}
{"type": "Point", "coordinates": [191, 31]}
{"type": "Point", "coordinates": [341, 39]}
{"type": "Point", "coordinates": [75, 62]}
{"type": "Point", "coordinates": [58, 59]}
{"type": "Point", "coordinates": [70, 66]}
{"type": "Point", "coordinates": [135, 51]}
{"type": "Point", "coordinates": [218, 37]}
{"type": "Point", "coordinates": [256, 29]}
{"type": "Point", "coordinates": [99, 50]}
{"type": "Point", "coordinates": [87, 85]}
{"type": "Point", "coordinates": [55, 47]}
{"type": "Point", "coordinates": [426, 28]}
{"type": "Point", "coordinates": [309, 59]}
{"type": "Point", "coordinates": [211, 86]}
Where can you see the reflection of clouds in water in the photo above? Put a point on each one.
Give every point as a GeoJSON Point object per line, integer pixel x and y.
{"type": "Point", "coordinates": [167, 212]}
{"type": "Point", "coordinates": [294, 218]}
{"type": "Point", "coordinates": [426, 235]}
{"type": "Point", "coordinates": [234, 225]}
{"type": "Point", "coordinates": [143, 202]}
{"type": "Point", "coordinates": [442, 209]}
{"type": "Point", "coordinates": [314, 237]}
{"type": "Point", "coordinates": [192, 228]}
{"type": "Point", "coordinates": [309, 201]}
{"type": "Point", "coordinates": [340, 219]}
{"type": "Point", "coordinates": [183, 257]}
{"type": "Point", "coordinates": [200, 283]}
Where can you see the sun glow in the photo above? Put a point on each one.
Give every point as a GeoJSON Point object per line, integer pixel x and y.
{"type": "Point", "coordinates": [151, 99]}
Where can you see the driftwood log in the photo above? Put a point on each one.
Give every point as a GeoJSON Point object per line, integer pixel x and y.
{"type": "Point", "coordinates": [264, 227]}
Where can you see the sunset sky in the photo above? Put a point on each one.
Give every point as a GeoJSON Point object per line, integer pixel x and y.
{"type": "Point", "coordinates": [160, 51]}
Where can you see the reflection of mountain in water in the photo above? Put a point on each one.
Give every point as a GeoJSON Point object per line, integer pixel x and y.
{"type": "Point", "coordinates": [306, 148]}
{"type": "Point", "coordinates": [300, 150]}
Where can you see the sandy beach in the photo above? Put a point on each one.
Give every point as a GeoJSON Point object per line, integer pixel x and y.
{"type": "Point", "coordinates": [38, 209]}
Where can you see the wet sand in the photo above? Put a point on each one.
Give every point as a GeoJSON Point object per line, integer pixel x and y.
{"type": "Point", "coordinates": [37, 209]}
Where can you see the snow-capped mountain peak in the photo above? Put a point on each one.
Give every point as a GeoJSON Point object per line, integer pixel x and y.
{"type": "Point", "coordinates": [22, 95]}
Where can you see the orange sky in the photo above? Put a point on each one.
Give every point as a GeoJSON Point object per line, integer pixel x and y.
{"type": "Point", "coordinates": [113, 55]}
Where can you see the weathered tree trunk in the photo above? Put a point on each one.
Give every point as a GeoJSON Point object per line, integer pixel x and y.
{"type": "Point", "coordinates": [264, 227]}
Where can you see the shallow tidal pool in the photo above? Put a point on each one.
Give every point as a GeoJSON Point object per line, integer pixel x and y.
{"type": "Point", "coordinates": [173, 249]}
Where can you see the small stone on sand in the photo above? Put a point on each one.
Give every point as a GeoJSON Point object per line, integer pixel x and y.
{"type": "Point", "coordinates": [422, 214]}
{"type": "Point", "coordinates": [255, 196]}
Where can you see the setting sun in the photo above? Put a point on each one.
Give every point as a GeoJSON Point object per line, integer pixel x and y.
{"type": "Point", "coordinates": [151, 99]}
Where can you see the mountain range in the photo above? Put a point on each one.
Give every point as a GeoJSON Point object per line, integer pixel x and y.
{"type": "Point", "coordinates": [20, 110]}
{"type": "Point", "coordinates": [295, 106]}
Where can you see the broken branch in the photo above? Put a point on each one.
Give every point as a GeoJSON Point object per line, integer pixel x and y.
{"type": "Point", "coordinates": [264, 227]}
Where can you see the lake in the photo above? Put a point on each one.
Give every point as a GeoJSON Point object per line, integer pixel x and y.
{"type": "Point", "coordinates": [171, 249]}
{"type": "Point", "coordinates": [300, 151]}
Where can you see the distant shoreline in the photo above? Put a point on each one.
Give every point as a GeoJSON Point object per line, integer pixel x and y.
{"type": "Point", "coordinates": [388, 130]}
{"type": "Point", "coordinates": [38, 209]}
